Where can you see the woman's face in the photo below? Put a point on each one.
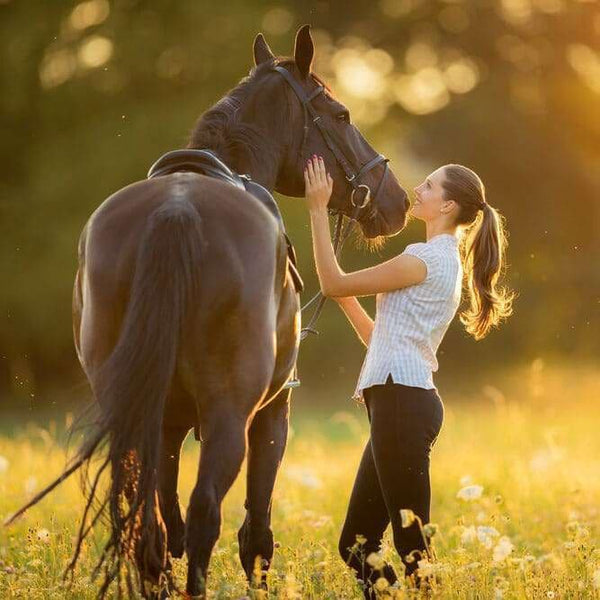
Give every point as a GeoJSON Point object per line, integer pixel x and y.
{"type": "Point", "coordinates": [429, 203]}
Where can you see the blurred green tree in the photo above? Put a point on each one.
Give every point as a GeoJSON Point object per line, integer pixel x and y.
{"type": "Point", "coordinates": [94, 91]}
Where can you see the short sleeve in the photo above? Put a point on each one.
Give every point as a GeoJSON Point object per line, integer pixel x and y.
{"type": "Point", "coordinates": [427, 254]}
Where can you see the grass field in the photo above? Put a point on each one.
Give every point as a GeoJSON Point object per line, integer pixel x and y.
{"type": "Point", "coordinates": [531, 440]}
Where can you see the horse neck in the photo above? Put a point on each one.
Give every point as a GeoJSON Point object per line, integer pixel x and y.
{"type": "Point", "coordinates": [263, 172]}
{"type": "Point", "coordinates": [253, 154]}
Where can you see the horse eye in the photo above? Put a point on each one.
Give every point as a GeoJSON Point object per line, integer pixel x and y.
{"type": "Point", "coordinates": [344, 116]}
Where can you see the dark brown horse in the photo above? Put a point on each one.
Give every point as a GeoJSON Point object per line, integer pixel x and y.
{"type": "Point", "coordinates": [185, 316]}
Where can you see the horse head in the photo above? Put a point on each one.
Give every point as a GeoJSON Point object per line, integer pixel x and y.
{"type": "Point", "coordinates": [282, 114]}
{"type": "Point", "coordinates": [336, 138]}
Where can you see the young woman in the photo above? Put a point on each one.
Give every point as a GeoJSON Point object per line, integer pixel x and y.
{"type": "Point", "coordinates": [418, 294]}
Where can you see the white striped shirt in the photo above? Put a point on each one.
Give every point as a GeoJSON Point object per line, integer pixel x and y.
{"type": "Point", "coordinates": [411, 322]}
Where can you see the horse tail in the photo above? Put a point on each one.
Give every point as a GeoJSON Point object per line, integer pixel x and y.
{"type": "Point", "coordinates": [131, 389]}
{"type": "Point", "coordinates": [133, 385]}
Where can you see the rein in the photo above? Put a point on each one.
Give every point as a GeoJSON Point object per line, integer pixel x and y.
{"type": "Point", "coordinates": [338, 244]}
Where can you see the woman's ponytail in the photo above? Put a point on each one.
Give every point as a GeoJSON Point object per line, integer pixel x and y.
{"type": "Point", "coordinates": [483, 251]}
{"type": "Point", "coordinates": [484, 257]}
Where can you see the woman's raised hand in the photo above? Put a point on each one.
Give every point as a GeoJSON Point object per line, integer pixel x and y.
{"type": "Point", "coordinates": [318, 183]}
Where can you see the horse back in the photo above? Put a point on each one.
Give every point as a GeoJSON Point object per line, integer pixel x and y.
{"type": "Point", "coordinates": [234, 226]}
{"type": "Point", "coordinates": [241, 272]}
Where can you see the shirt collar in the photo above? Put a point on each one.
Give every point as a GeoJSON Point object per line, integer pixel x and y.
{"type": "Point", "coordinates": [443, 237]}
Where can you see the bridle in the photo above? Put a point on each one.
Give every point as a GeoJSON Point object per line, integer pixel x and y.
{"type": "Point", "coordinates": [353, 177]}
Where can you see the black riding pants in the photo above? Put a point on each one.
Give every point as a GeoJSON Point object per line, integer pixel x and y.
{"type": "Point", "coordinates": [393, 474]}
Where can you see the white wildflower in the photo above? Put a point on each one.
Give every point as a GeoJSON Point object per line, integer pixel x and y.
{"type": "Point", "coordinates": [502, 549]}
{"type": "Point", "coordinates": [4, 464]}
{"type": "Point", "coordinates": [470, 492]}
{"type": "Point", "coordinates": [486, 535]}
{"type": "Point", "coordinates": [381, 584]}
{"type": "Point", "coordinates": [466, 480]}
{"type": "Point", "coordinates": [376, 561]}
{"type": "Point", "coordinates": [430, 529]}
{"type": "Point", "coordinates": [425, 568]}
{"type": "Point", "coordinates": [468, 535]}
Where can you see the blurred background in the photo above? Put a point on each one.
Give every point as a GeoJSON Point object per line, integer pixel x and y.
{"type": "Point", "coordinates": [94, 91]}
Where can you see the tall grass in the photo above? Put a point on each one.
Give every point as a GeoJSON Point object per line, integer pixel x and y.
{"type": "Point", "coordinates": [516, 500]}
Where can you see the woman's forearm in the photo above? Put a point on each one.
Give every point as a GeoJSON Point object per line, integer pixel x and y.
{"type": "Point", "coordinates": [358, 317]}
{"type": "Point", "coordinates": [330, 273]}
{"type": "Point", "coordinates": [327, 267]}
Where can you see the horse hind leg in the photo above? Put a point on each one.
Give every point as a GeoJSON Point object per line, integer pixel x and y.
{"type": "Point", "coordinates": [169, 500]}
{"type": "Point", "coordinates": [267, 439]}
{"type": "Point", "coordinates": [172, 439]}
{"type": "Point", "coordinates": [221, 457]}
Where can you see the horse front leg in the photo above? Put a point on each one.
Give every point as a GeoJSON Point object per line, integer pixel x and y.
{"type": "Point", "coordinates": [267, 439]}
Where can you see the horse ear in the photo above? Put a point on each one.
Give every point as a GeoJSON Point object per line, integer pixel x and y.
{"type": "Point", "coordinates": [304, 50]}
{"type": "Point", "coordinates": [262, 52]}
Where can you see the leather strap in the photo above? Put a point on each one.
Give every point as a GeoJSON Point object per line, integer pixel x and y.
{"type": "Point", "coordinates": [353, 177]}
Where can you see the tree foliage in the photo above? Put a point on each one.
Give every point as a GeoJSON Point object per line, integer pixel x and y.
{"type": "Point", "coordinates": [94, 91]}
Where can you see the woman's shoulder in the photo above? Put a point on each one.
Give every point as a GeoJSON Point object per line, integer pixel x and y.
{"type": "Point", "coordinates": [415, 247]}
{"type": "Point", "coordinates": [422, 250]}
{"type": "Point", "coordinates": [441, 260]}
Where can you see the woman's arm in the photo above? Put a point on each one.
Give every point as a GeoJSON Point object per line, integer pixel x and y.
{"type": "Point", "coordinates": [358, 317]}
{"type": "Point", "coordinates": [398, 272]}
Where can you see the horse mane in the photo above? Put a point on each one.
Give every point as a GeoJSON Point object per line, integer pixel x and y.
{"type": "Point", "coordinates": [220, 129]}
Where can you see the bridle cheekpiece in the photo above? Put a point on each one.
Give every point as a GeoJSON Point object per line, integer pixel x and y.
{"type": "Point", "coordinates": [353, 177]}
